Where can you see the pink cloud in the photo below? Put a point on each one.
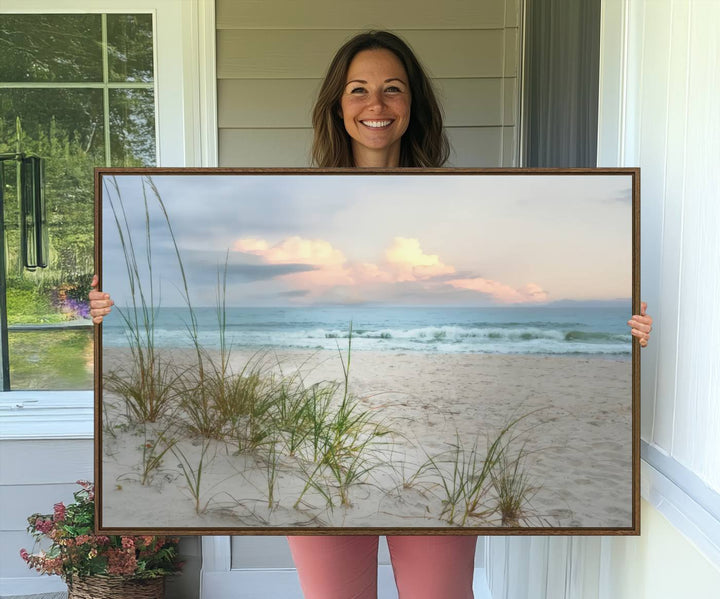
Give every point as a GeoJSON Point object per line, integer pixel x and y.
{"type": "Point", "coordinates": [502, 292]}
{"type": "Point", "coordinates": [292, 250]}
{"type": "Point", "coordinates": [250, 246]}
{"type": "Point", "coordinates": [367, 272]}
{"type": "Point", "coordinates": [329, 263]}
{"type": "Point", "coordinates": [404, 261]}
{"type": "Point", "coordinates": [407, 261]}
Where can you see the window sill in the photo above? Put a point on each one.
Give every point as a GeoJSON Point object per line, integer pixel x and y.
{"type": "Point", "coordinates": [46, 415]}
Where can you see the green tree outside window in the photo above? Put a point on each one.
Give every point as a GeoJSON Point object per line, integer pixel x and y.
{"type": "Point", "coordinates": [81, 88]}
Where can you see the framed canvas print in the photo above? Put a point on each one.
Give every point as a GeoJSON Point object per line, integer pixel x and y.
{"type": "Point", "coordinates": [357, 352]}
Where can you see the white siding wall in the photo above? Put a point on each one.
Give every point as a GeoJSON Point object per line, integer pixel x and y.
{"type": "Point", "coordinates": [35, 475]}
{"type": "Point", "coordinates": [674, 124]}
{"type": "Point", "coordinates": [272, 56]}
{"type": "Point", "coordinates": [660, 84]}
{"type": "Point", "coordinates": [45, 446]}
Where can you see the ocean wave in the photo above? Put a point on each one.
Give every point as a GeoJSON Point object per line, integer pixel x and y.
{"type": "Point", "coordinates": [447, 333]}
{"type": "Point", "coordinates": [433, 339]}
{"type": "Point", "coordinates": [590, 337]}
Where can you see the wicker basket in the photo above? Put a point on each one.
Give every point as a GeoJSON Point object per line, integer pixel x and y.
{"type": "Point", "coordinates": [116, 587]}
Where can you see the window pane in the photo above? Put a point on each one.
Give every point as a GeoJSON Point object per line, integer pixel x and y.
{"type": "Point", "coordinates": [50, 48]}
{"type": "Point", "coordinates": [132, 127]}
{"type": "Point", "coordinates": [49, 117]}
{"type": "Point", "coordinates": [65, 127]}
{"type": "Point", "coordinates": [54, 359]}
{"type": "Point", "coordinates": [130, 47]}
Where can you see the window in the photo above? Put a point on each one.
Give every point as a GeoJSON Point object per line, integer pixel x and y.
{"type": "Point", "coordinates": [78, 90]}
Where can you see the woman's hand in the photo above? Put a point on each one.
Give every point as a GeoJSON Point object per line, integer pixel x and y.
{"type": "Point", "coordinates": [641, 325]}
{"type": "Point", "coordinates": [100, 303]}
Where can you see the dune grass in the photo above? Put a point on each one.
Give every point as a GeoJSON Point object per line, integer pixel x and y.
{"type": "Point", "coordinates": [148, 388]}
{"type": "Point", "coordinates": [153, 455]}
{"type": "Point", "coordinates": [193, 472]}
{"type": "Point", "coordinates": [477, 484]}
{"type": "Point", "coordinates": [513, 488]}
{"type": "Point", "coordinates": [345, 440]}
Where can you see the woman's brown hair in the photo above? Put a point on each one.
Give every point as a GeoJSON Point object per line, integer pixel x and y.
{"type": "Point", "coordinates": [424, 144]}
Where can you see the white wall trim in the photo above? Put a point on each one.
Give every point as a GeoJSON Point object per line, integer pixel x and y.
{"type": "Point", "coordinates": [520, 91]}
{"type": "Point", "coordinates": [216, 552]}
{"type": "Point", "coordinates": [699, 491]}
{"type": "Point", "coordinates": [611, 84]}
{"type": "Point", "coordinates": [208, 83]}
{"type": "Point", "coordinates": [200, 82]}
{"type": "Point", "coordinates": [683, 511]}
{"type": "Point", "coordinates": [249, 584]}
{"type": "Point", "coordinates": [46, 415]}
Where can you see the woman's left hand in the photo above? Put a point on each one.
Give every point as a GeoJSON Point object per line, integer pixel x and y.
{"type": "Point", "coordinates": [641, 325]}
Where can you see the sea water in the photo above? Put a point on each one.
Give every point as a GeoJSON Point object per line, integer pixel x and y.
{"type": "Point", "coordinates": [548, 330]}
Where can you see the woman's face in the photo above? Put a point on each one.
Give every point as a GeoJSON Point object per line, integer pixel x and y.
{"type": "Point", "coordinates": [375, 107]}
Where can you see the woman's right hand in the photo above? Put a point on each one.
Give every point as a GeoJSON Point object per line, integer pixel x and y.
{"type": "Point", "coordinates": [100, 302]}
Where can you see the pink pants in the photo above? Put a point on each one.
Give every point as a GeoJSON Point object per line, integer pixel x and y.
{"type": "Point", "coordinates": [425, 567]}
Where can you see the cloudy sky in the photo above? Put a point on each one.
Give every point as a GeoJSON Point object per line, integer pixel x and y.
{"type": "Point", "coordinates": [469, 240]}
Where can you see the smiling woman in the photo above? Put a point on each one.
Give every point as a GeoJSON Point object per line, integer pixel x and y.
{"type": "Point", "coordinates": [375, 107]}
{"type": "Point", "coordinates": [365, 104]}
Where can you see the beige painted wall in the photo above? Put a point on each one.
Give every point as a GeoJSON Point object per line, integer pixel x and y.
{"type": "Point", "coordinates": [659, 564]}
{"type": "Point", "coordinates": [272, 56]}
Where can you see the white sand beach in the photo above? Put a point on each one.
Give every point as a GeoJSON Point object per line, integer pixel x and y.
{"type": "Point", "coordinates": [576, 432]}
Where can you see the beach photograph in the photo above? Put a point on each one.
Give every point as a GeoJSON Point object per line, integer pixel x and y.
{"type": "Point", "coordinates": [299, 352]}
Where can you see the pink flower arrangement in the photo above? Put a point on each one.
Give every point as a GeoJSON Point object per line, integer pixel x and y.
{"type": "Point", "coordinates": [75, 551]}
{"type": "Point", "coordinates": [59, 512]}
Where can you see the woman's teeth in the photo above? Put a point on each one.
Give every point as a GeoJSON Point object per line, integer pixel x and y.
{"type": "Point", "coordinates": [376, 124]}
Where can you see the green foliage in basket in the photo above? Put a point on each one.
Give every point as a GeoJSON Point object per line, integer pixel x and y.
{"type": "Point", "coordinates": [74, 551]}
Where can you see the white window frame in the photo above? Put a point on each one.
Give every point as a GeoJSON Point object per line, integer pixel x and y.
{"type": "Point", "coordinates": [186, 135]}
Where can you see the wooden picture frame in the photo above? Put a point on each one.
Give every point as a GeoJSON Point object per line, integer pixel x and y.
{"type": "Point", "coordinates": [351, 351]}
